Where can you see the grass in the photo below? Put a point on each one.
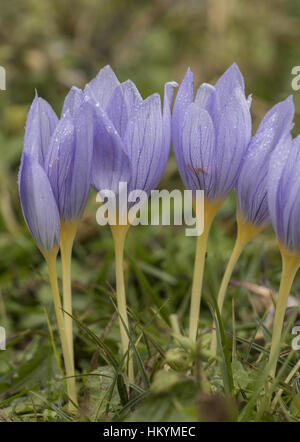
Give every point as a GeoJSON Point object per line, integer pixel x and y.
{"type": "Point", "coordinates": [175, 380]}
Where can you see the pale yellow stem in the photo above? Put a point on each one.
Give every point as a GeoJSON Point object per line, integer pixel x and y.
{"type": "Point", "coordinates": [119, 234]}
{"type": "Point", "coordinates": [290, 265]}
{"type": "Point", "coordinates": [210, 210]}
{"type": "Point", "coordinates": [67, 235]}
{"type": "Point", "coordinates": [50, 257]}
{"type": "Point", "coordinates": [245, 232]}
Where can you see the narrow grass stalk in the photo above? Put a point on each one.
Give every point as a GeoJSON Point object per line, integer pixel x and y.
{"type": "Point", "coordinates": [245, 232]}
{"type": "Point", "coordinates": [50, 257]}
{"type": "Point", "coordinates": [286, 381]}
{"type": "Point", "coordinates": [210, 210]}
{"type": "Point", "coordinates": [290, 265]}
{"type": "Point", "coordinates": [119, 235]}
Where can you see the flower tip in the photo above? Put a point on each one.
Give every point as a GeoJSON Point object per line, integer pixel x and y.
{"type": "Point", "coordinates": [173, 84]}
{"type": "Point", "coordinates": [235, 67]}
{"type": "Point", "coordinates": [189, 76]}
{"type": "Point", "coordinates": [189, 71]}
{"type": "Point", "coordinates": [290, 100]}
{"type": "Point", "coordinates": [76, 89]}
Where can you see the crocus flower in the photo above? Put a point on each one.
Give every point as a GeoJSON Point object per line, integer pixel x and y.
{"type": "Point", "coordinates": [284, 208]}
{"type": "Point", "coordinates": [54, 183]}
{"type": "Point", "coordinates": [63, 151]}
{"type": "Point", "coordinates": [210, 135]}
{"type": "Point", "coordinates": [251, 188]}
{"type": "Point", "coordinates": [131, 144]}
{"type": "Point", "coordinates": [36, 195]}
{"type": "Point", "coordinates": [131, 135]}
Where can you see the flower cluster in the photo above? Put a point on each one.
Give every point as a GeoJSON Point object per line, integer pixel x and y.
{"type": "Point", "coordinates": [108, 133]}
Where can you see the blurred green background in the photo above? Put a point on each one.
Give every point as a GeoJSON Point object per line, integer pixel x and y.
{"type": "Point", "coordinates": [51, 45]}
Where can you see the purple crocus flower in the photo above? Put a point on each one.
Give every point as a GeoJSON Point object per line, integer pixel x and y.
{"type": "Point", "coordinates": [132, 140]}
{"type": "Point", "coordinates": [251, 187]}
{"type": "Point", "coordinates": [283, 188]}
{"type": "Point", "coordinates": [211, 133]}
{"type": "Point", "coordinates": [54, 178]}
{"type": "Point", "coordinates": [283, 192]}
{"type": "Point", "coordinates": [131, 135]}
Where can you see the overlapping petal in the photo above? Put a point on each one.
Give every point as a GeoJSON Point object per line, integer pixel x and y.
{"type": "Point", "coordinates": [167, 121]}
{"type": "Point", "coordinates": [228, 82]}
{"type": "Point", "coordinates": [38, 203]}
{"type": "Point", "coordinates": [40, 125]}
{"type": "Point", "coordinates": [198, 131]}
{"type": "Point", "coordinates": [69, 161]}
{"type": "Point", "coordinates": [143, 141]}
{"type": "Point", "coordinates": [283, 191]}
{"type": "Point", "coordinates": [183, 99]}
{"type": "Point", "coordinates": [111, 163]}
{"type": "Point", "coordinates": [73, 101]}
{"type": "Point", "coordinates": [101, 88]}
{"type": "Point", "coordinates": [233, 136]}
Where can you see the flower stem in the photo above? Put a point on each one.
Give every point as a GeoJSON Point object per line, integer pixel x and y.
{"type": "Point", "coordinates": [245, 232]}
{"type": "Point", "coordinates": [67, 235]}
{"type": "Point", "coordinates": [119, 234]}
{"type": "Point", "coordinates": [290, 265]}
{"type": "Point", "coordinates": [210, 210]}
{"type": "Point", "coordinates": [50, 257]}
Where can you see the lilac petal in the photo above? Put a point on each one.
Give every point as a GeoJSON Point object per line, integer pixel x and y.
{"type": "Point", "coordinates": [198, 141]}
{"type": "Point", "coordinates": [276, 198]}
{"type": "Point", "coordinates": [292, 208]}
{"type": "Point", "coordinates": [168, 97]}
{"type": "Point", "coordinates": [60, 156]}
{"type": "Point", "coordinates": [283, 192]}
{"type": "Point", "coordinates": [252, 183]}
{"type": "Point", "coordinates": [132, 96]}
{"type": "Point", "coordinates": [73, 101]}
{"type": "Point", "coordinates": [183, 99]}
{"type": "Point", "coordinates": [228, 82]}
{"type": "Point", "coordinates": [111, 163]}
{"type": "Point", "coordinates": [80, 182]}
{"type": "Point", "coordinates": [123, 103]}
{"type": "Point", "coordinates": [233, 137]}
{"type": "Point", "coordinates": [69, 161]}
{"type": "Point", "coordinates": [208, 99]}
{"type": "Point", "coordinates": [40, 125]}
{"type": "Point", "coordinates": [204, 95]}
{"type": "Point", "coordinates": [100, 89]}
{"type": "Point", "coordinates": [288, 197]}
{"type": "Point", "coordinates": [118, 110]}
{"type": "Point", "coordinates": [249, 100]}
{"type": "Point", "coordinates": [38, 203]}
{"type": "Point", "coordinates": [143, 140]}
